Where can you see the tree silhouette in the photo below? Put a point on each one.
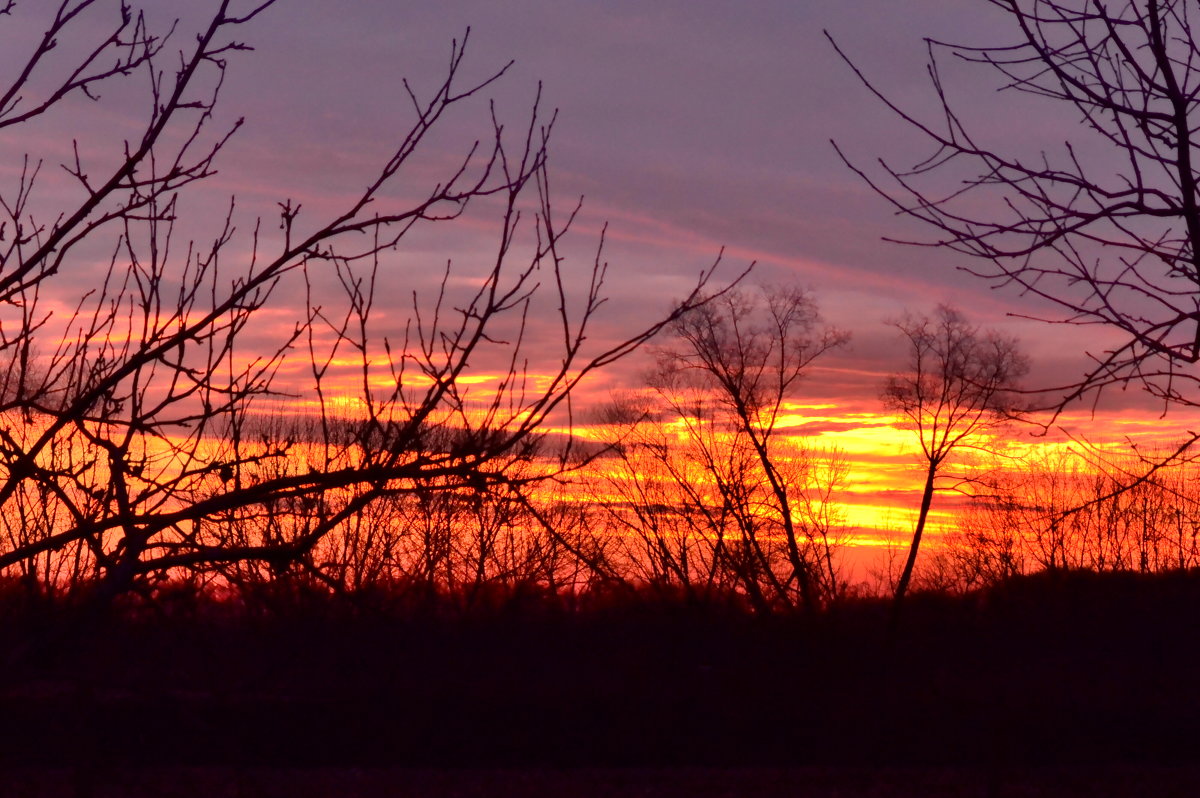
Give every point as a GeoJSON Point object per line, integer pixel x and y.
{"type": "Point", "coordinates": [745, 506]}
{"type": "Point", "coordinates": [141, 434]}
{"type": "Point", "coordinates": [958, 387]}
{"type": "Point", "coordinates": [1106, 227]}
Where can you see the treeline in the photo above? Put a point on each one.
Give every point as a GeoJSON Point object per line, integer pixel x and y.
{"type": "Point", "coordinates": [692, 487]}
{"type": "Point", "coordinates": [1111, 510]}
{"type": "Point", "coordinates": [673, 505]}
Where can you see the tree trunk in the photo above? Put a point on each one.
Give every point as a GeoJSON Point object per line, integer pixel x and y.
{"type": "Point", "coordinates": [906, 576]}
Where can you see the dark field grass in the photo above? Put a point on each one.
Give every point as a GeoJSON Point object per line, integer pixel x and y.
{"type": "Point", "coordinates": [1044, 681]}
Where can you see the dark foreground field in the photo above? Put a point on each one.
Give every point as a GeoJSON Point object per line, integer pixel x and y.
{"type": "Point", "coordinates": [1098, 782]}
{"type": "Point", "coordinates": [1048, 686]}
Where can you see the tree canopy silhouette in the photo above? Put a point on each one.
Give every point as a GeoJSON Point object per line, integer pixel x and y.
{"type": "Point", "coordinates": [725, 375]}
{"type": "Point", "coordinates": [959, 385]}
{"type": "Point", "coordinates": [140, 430]}
{"type": "Point", "coordinates": [1105, 226]}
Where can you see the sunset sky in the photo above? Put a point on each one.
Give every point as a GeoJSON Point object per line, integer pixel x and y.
{"type": "Point", "coordinates": [688, 126]}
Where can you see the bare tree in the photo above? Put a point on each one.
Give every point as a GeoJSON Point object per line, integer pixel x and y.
{"type": "Point", "coordinates": [958, 387]}
{"type": "Point", "coordinates": [1106, 227]}
{"type": "Point", "coordinates": [133, 442]}
{"type": "Point", "coordinates": [745, 503]}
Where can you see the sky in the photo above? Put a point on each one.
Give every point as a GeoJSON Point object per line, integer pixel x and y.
{"type": "Point", "coordinates": [688, 127]}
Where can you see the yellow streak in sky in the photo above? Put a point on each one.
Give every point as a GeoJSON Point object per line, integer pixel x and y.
{"type": "Point", "coordinates": [885, 476]}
